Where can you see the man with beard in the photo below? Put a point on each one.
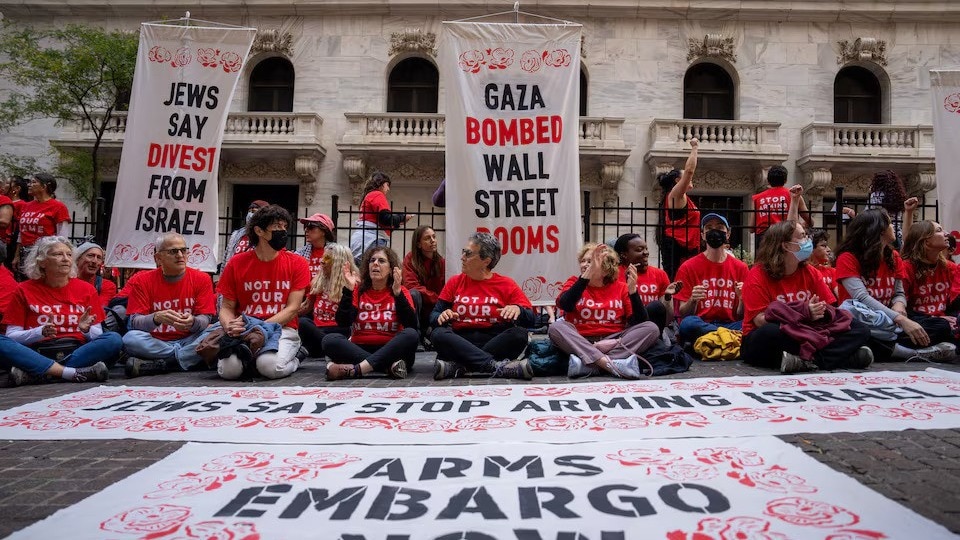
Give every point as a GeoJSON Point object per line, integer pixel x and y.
{"type": "Point", "coordinates": [653, 285]}
{"type": "Point", "coordinates": [89, 262]}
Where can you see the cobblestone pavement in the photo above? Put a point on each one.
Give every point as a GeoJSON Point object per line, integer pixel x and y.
{"type": "Point", "coordinates": [919, 469]}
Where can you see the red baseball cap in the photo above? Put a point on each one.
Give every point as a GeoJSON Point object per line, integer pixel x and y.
{"type": "Point", "coordinates": [323, 220]}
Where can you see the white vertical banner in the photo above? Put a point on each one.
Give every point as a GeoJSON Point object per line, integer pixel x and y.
{"type": "Point", "coordinates": [512, 147]}
{"type": "Point", "coordinates": [182, 88]}
{"type": "Point", "coordinates": [945, 90]}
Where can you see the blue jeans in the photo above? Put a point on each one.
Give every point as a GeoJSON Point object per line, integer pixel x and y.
{"type": "Point", "coordinates": [692, 327]}
{"type": "Point", "coordinates": [143, 345]}
{"type": "Point", "coordinates": [102, 348]}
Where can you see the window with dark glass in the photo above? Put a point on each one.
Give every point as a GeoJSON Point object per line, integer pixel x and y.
{"type": "Point", "coordinates": [271, 86]}
{"type": "Point", "coordinates": [708, 93]}
{"type": "Point", "coordinates": [583, 93]}
{"type": "Point", "coordinates": [413, 87]}
{"type": "Point", "coordinates": [856, 97]}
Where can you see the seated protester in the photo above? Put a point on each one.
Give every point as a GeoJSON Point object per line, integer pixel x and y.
{"type": "Point", "coordinates": [604, 325]}
{"type": "Point", "coordinates": [267, 283]}
{"type": "Point", "coordinates": [88, 259]}
{"type": "Point", "coordinates": [710, 296]}
{"type": "Point", "coordinates": [822, 257]}
{"type": "Point", "coordinates": [168, 309]}
{"type": "Point", "coordinates": [54, 313]}
{"type": "Point", "coordinates": [811, 334]}
{"type": "Point", "coordinates": [384, 336]}
{"type": "Point", "coordinates": [423, 273]}
{"type": "Point", "coordinates": [481, 318]}
{"type": "Point", "coordinates": [239, 242]}
{"type": "Point", "coordinates": [653, 285]}
{"type": "Point", "coordinates": [8, 222]}
{"type": "Point", "coordinates": [870, 272]}
{"type": "Point", "coordinates": [929, 281]}
{"type": "Point", "coordinates": [318, 231]}
{"type": "Point", "coordinates": [322, 312]}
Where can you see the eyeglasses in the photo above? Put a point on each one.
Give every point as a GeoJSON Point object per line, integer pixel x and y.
{"type": "Point", "coordinates": [175, 251]}
{"type": "Point", "coordinates": [468, 253]}
{"type": "Point", "coordinates": [311, 226]}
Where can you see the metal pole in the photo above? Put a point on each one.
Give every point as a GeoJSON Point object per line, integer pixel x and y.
{"type": "Point", "coordinates": [839, 215]}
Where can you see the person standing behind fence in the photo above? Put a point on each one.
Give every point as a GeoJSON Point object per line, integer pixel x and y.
{"type": "Point", "coordinates": [16, 188]}
{"type": "Point", "coordinates": [44, 215]}
{"type": "Point", "coordinates": [376, 220]}
{"type": "Point", "coordinates": [7, 221]}
{"type": "Point", "coordinates": [770, 205]}
{"type": "Point", "coordinates": [424, 273]}
{"type": "Point", "coordinates": [887, 192]}
{"type": "Point", "coordinates": [318, 231]}
{"type": "Point", "coordinates": [239, 242]}
{"type": "Point", "coordinates": [679, 231]}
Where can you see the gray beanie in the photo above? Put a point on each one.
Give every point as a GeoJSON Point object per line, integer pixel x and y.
{"type": "Point", "coordinates": [85, 247]}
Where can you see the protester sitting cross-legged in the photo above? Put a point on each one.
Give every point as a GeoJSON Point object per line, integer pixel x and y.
{"type": "Point", "coordinates": [481, 318]}
{"type": "Point", "coordinates": [322, 312]}
{"type": "Point", "coordinates": [168, 309]}
{"type": "Point", "coordinates": [384, 333]}
{"type": "Point", "coordinates": [822, 258]}
{"type": "Point", "coordinates": [930, 283]}
{"type": "Point", "coordinates": [710, 296]}
{"type": "Point", "coordinates": [89, 260]}
{"type": "Point", "coordinates": [423, 273]}
{"type": "Point", "coordinates": [871, 273]}
{"type": "Point", "coordinates": [653, 284]}
{"type": "Point", "coordinates": [59, 316]}
{"type": "Point", "coordinates": [266, 284]}
{"type": "Point", "coordinates": [318, 231]}
{"type": "Point", "coordinates": [604, 325]}
{"type": "Point", "coordinates": [790, 322]}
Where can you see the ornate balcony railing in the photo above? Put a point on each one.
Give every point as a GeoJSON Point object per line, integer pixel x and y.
{"type": "Point", "coordinates": [828, 139]}
{"type": "Point", "coordinates": [719, 135]}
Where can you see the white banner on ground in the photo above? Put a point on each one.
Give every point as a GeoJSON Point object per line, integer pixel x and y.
{"type": "Point", "coordinates": [945, 90]}
{"type": "Point", "coordinates": [722, 407]}
{"type": "Point", "coordinates": [625, 490]}
{"type": "Point", "coordinates": [182, 89]}
{"type": "Point", "coordinates": [512, 147]}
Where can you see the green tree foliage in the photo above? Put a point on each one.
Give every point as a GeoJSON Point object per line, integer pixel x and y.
{"type": "Point", "coordinates": [75, 72]}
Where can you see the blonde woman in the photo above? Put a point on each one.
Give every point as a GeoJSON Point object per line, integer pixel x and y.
{"type": "Point", "coordinates": [322, 311]}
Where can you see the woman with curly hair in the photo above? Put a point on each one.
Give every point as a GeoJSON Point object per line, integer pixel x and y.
{"type": "Point", "coordinates": [871, 272]}
{"type": "Point", "coordinates": [376, 220]}
{"type": "Point", "coordinates": [384, 327]}
{"type": "Point", "coordinates": [423, 272]}
{"type": "Point", "coordinates": [679, 231]}
{"type": "Point", "coordinates": [322, 312]}
{"type": "Point", "coordinates": [887, 192]}
{"type": "Point", "coordinates": [929, 283]}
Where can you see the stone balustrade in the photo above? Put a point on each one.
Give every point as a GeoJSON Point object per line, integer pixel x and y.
{"type": "Point", "coordinates": [828, 139]}
{"type": "Point", "coordinates": [715, 135]}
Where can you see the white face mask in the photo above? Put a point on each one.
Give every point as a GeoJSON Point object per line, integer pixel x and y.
{"type": "Point", "coordinates": [249, 216]}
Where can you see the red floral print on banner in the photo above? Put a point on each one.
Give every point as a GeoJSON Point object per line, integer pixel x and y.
{"type": "Point", "coordinates": [120, 422]}
{"type": "Point", "coordinates": [679, 418]}
{"type": "Point", "coordinates": [369, 423]}
{"type": "Point", "coordinates": [484, 423]}
{"type": "Point", "coordinates": [825, 380]}
{"type": "Point", "coordinates": [775, 479]}
{"type": "Point", "coordinates": [832, 412]}
{"type": "Point", "coordinates": [807, 513]}
{"type": "Point", "coordinates": [748, 414]}
{"type": "Point", "coordinates": [735, 457]}
{"type": "Point", "coordinates": [894, 412]}
{"type": "Point", "coordinates": [238, 460]}
{"type": "Point", "coordinates": [425, 425]}
{"type": "Point", "coordinates": [179, 423]}
{"type": "Point", "coordinates": [231, 62]}
{"type": "Point", "coordinates": [606, 388]}
{"type": "Point", "coordinates": [256, 394]}
{"type": "Point", "coordinates": [396, 394]}
{"type": "Point", "coordinates": [931, 407]}
{"type": "Point", "coordinates": [189, 484]}
{"type": "Point", "coordinates": [557, 423]}
{"type": "Point", "coordinates": [557, 58]}
{"type": "Point", "coordinates": [623, 422]}
{"type": "Point", "coordinates": [158, 54]}
{"type": "Point", "coordinates": [303, 423]}
{"type": "Point", "coordinates": [151, 521]}
{"type": "Point", "coordinates": [550, 391]}
{"type": "Point", "coordinates": [220, 530]}
{"type": "Point", "coordinates": [685, 472]}
{"type": "Point", "coordinates": [854, 534]}
{"type": "Point", "coordinates": [695, 387]}
{"type": "Point", "coordinates": [208, 57]}
{"type": "Point", "coordinates": [76, 402]}
{"type": "Point", "coordinates": [198, 254]}
{"type": "Point", "coordinates": [472, 61]}
{"type": "Point", "coordinates": [880, 379]}
{"type": "Point", "coordinates": [50, 424]}
{"type": "Point", "coordinates": [642, 457]}
{"type": "Point", "coordinates": [951, 103]}
{"type": "Point", "coordinates": [150, 394]}
{"type": "Point", "coordinates": [736, 528]}
{"type": "Point", "coordinates": [276, 475]}
{"type": "Point", "coordinates": [322, 460]}
{"type": "Point", "coordinates": [235, 420]}
{"type": "Point", "coordinates": [465, 392]}
{"type": "Point", "coordinates": [784, 383]}
{"type": "Point", "coordinates": [499, 58]}
{"type": "Point", "coordinates": [530, 61]}
{"type": "Point", "coordinates": [181, 58]}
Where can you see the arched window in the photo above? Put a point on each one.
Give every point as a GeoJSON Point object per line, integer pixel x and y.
{"type": "Point", "coordinates": [413, 87]}
{"type": "Point", "coordinates": [708, 93]}
{"type": "Point", "coordinates": [583, 93]}
{"type": "Point", "coordinates": [271, 86]}
{"type": "Point", "coordinates": [856, 97]}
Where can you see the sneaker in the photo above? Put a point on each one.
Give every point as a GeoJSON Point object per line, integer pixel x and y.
{"type": "Point", "coordinates": [792, 363]}
{"type": "Point", "coordinates": [336, 372]}
{"type": "Point", "coordinates": [443, 369]}
{"type": "Point", "coordinates": [513, 369]}
{"type": "Point", "coordinates": [19, 377]}
{"type": "Point", "coordinates": [626, 368]}
{"type": "Point", "coordinates": [862, 359]}
{"type": "Point", "coordinates": [576, 368]}
{"type": "Point", "coordinates": [136, 367]}
{"type": "Point", "coordinates": [95, 373]}
{"type": "Point", "coordinates": [935, 353]}
{"type": "Point", "coordinates": [302, 353]}
{"type": "Point", "coordinates": [398, 370]}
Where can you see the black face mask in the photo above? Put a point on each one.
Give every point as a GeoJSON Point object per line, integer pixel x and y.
{"type": "Point", "coordinates": [278, 241]}
{"type": "Point", "coordinates": [716, 238]}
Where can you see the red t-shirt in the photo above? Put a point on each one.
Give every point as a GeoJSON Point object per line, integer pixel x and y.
{"type": "Point", "coordinates": [685, 230]}
{"type": "Point", "coordinates": [6, 234]}
{"type": "Point", "coordinates": [601, 311]}
{"type": "Point", "coordinates": [39, 219]}
{"type": "Point", "coordinates": [371, 206]}
{"type": "Point", "coordinates": [759, 291]}
{"type": "Point", "coordinates": [315, 261]}
{"type": "Point", "coordinates": [243, 245]}
{"type": "Point", "coordinates": [261, 289]}
{"type": "Point", "coordinates": [149, 293]}
{"type": "Point", "coordinates": [377, 320]}
{"type": "Point", "coordinates": [35, 304]}
{"type": "Point", "coordinates": [829, 275]}
{"type": "Point", "coordinates": [324, 310]}
{"type": "Point", "coordinates": [770, 207]}
{"type": "Point", "coordinates": [8, 286]}
{"type": "Point", "coordinates": [720, 280]}
{"type": "Point", "coordinates": [108, 289]}
{"type": "Point", "coordinates": [478, 302]}
{"type": "Point", "coordinates": [650, 284]}
{"type": "Point", "coordinates": [429, 290]}
{"type": "Point", "coordinates": [932, 292]}
{"type": "Point", "coordinates": [881, 287]}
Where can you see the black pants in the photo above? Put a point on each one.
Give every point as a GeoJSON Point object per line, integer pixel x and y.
{"type": "Point", "coordinates": [672, 255]}
{"type": "Point", "coordinates": [477, 350]}
{"type": "Point", "coordinates": [402, 346]}
{"type": "Point", "coordinates": [312, 335]}
{"type": "Point", "coordinates": [764, 346]}
{"type": "Point", "coordinates": [936, 327]}
{"type": "Point", "coordinates": [657, 314]}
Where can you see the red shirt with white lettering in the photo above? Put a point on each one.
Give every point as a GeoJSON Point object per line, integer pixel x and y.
{"type": "Point", "coordinates": [770, 207]}
{"type": "Point", "coordinates": [108, 289]}
{"type": "Point", "coordinates": [36, 304]}
{"type": "Point", "coordinates": [6, 234]}
{"type": "Point", "coordinates": [377, 320]}
{"type": "Point", "coordinates": [650, 283]}
{"type": "Point", "coordinates": [881, 287]}
{"type": "Point", "coordinates": [759, 290]}
{"type": "Point", "coordinates": [148, 292]}
{"type": "Point", "coordinates": [315, 260]}
{"type": "Point", "coordinates": [39, 219]}
{"type": "Point", "coordinates": [478, 302]}
{"type": "Point", "coordinates": [261, 289]}
{"type": "Point", "coordinates": [601, 311]}
{"type": "Point", "coordinates": [686, 230]}
{"type": "Point", "coordinates": [371, 206]}
{"type": "Point", "coordinates": [931, 293]}
{"type": "Point", "coordinates": [324, 310]}
{"type": "Point", "coordinates": [829, 275]}
{"type": "Point", "coordinates": [720, 280]}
